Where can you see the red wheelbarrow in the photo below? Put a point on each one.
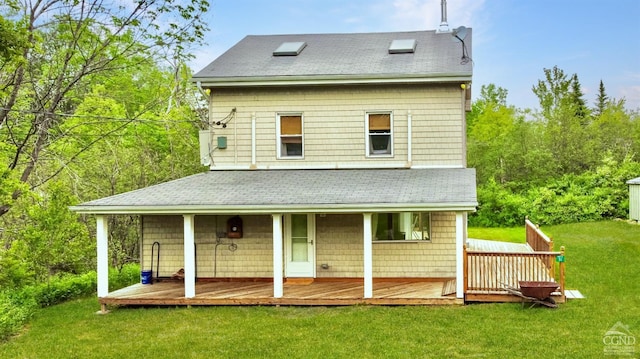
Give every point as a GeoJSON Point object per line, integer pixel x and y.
{"type": "Point", "coordinates": [538, 292]}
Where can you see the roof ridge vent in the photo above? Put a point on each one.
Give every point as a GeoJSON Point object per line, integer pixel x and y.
{"type": "Point", "coordinates": [404, 46]}
{"type": "Point", "coordinates": [290, 48]}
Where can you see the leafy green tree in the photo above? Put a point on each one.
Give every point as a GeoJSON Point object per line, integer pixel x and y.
{"type": "Point", "coordinates": [96, 97]}
{"type": "Point", "coordinates": [552, 92]}
{"type": "Point", "coordinates": [635, 130]}
{"type": "Point", "coordinates": [12, 41]}
{"type": "Point", "coordinates": [564, 112]}
{"type": "Point", "coordinates": [491, 97]}
{"type": "Point", "coordinates": [70, 44]}
{"type": "Point", "coordinates": [15, 271]}
{"type": "Point", "coordinates": [498, 206]}
{"type": "Point", "coordinates": [612, 134]}
{"type": "Point", "coordinates": [158, 146]}
{"type": "Point", "coordinates": [55, 241]}
{"type": "Point", "coordinates": [489, 138]}
{"type": "Point", "coordinates": [503, 144]}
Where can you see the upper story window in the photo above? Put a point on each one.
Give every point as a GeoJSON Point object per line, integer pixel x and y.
{"type": "Point", "coordinates": [290, 138]}
{"type": "Point", "coordinates": [379, 134]}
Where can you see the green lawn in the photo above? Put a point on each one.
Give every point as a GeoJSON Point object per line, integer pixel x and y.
{"type": "Point", "coordinates": [516, 235]}
{"type": "Point", "coordinates": [602, 262]}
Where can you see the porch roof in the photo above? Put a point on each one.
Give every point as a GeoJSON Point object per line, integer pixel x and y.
{"type": "Point", "coordinates": [290, 191]}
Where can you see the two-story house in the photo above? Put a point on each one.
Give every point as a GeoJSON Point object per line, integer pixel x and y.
{"type": "Point", "coordinates": [333, 158]}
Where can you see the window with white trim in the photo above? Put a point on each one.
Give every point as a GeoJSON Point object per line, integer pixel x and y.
{"type": "Point", "coordinates": [405, 226]}
{"type": "Point", "coordinates": [379, 127]}
{"type": "Point", "coordinates": [290, 137]}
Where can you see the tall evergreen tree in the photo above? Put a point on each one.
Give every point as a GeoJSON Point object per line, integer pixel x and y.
{"type": "Point", "coordinates": [577, 99]}
{"type": "Point", "coordinates": [601, 101]}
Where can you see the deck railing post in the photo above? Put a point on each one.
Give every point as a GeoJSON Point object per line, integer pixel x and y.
{"type": "Point", "coordinates": [465, 265]}
{"type": "Point", "coordinates": [562, 274]}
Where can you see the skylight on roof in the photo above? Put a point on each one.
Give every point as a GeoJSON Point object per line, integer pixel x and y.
{"type": "Point", "coordinates": [407, 46]}
{"type": "Point", "coordinates": [290, 48]}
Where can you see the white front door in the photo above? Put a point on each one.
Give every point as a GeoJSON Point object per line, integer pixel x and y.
{"type": "Point", "coordinates": [299, 245]}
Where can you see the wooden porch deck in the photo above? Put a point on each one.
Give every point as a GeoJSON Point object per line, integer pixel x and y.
{"type": "Point", "coordinates": [489, 266]}
{"type": "Point", "coordinates": [325, 293]}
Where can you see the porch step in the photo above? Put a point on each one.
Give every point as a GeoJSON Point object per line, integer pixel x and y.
{"type": "Point", "coordinates": [449, 287]}
{"type": "Point", "coordinates": [299, 281]}
{"type": "Point", "coordinates": [573, 294]}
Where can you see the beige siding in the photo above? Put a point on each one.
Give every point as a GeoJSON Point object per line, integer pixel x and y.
{"type": "Point", "coordinates": [340, 247]}
{"type": "Point", "coordinates": [338, 244]}
{"type": "Point", "coordinates": [420, 259]}
{"type": "Point", "coordinates": [339, 238]}
{"type": "Point", "coordinates": [251, 258]}
{"type": "Point", "coordinates": [334, 125]}
{"type": "Point", "coordinates": [168, 231]}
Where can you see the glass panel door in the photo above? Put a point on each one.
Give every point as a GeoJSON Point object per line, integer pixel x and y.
{"type": "Point", "coordinates": [299, 245]}
{"type": "Point", "coordinates": [299, 238]}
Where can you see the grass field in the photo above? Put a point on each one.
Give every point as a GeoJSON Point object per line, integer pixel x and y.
{"type": "Point", "coordinates": [602, 262]}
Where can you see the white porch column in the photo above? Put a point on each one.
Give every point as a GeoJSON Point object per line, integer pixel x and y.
{"type": "Point", "coordinates": [368, 256]}
{"type": "Point", "coordinates": [460, 239]}
{"type": "Point", "coordinates": [102, 236]}
{"type": "Point", "coordinates": [277, 256]}
{"type": "Point", "coordinates": [189, 256]}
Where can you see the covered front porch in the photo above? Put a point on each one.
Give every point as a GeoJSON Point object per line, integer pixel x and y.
{"type": "Point", "coordinates": [372, 283]}
{"type": "Point", "coordinates": [348, 262]}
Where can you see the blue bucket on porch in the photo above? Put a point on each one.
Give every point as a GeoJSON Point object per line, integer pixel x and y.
{"type": "Point", "coordinates": [145, 276]}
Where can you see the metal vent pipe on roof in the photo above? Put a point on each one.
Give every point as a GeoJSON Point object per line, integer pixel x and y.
{"type": "Point", "coordinates": [444, 26]}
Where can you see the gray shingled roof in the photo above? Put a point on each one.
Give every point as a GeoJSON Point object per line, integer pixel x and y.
{"type": "Point", "coordinates": [341, 56]}
{"type": "Point", "coordinates": [634, 181]}
{"type": "Point", "coordinates": [294, 190]}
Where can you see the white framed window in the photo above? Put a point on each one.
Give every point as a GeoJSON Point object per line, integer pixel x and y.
{"type": "Point", "coordinates": [290, 137]}
{"type": "Point", "coordinates": [405, 226]}
{"type": "Point", "coordinates": [379, 139]}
